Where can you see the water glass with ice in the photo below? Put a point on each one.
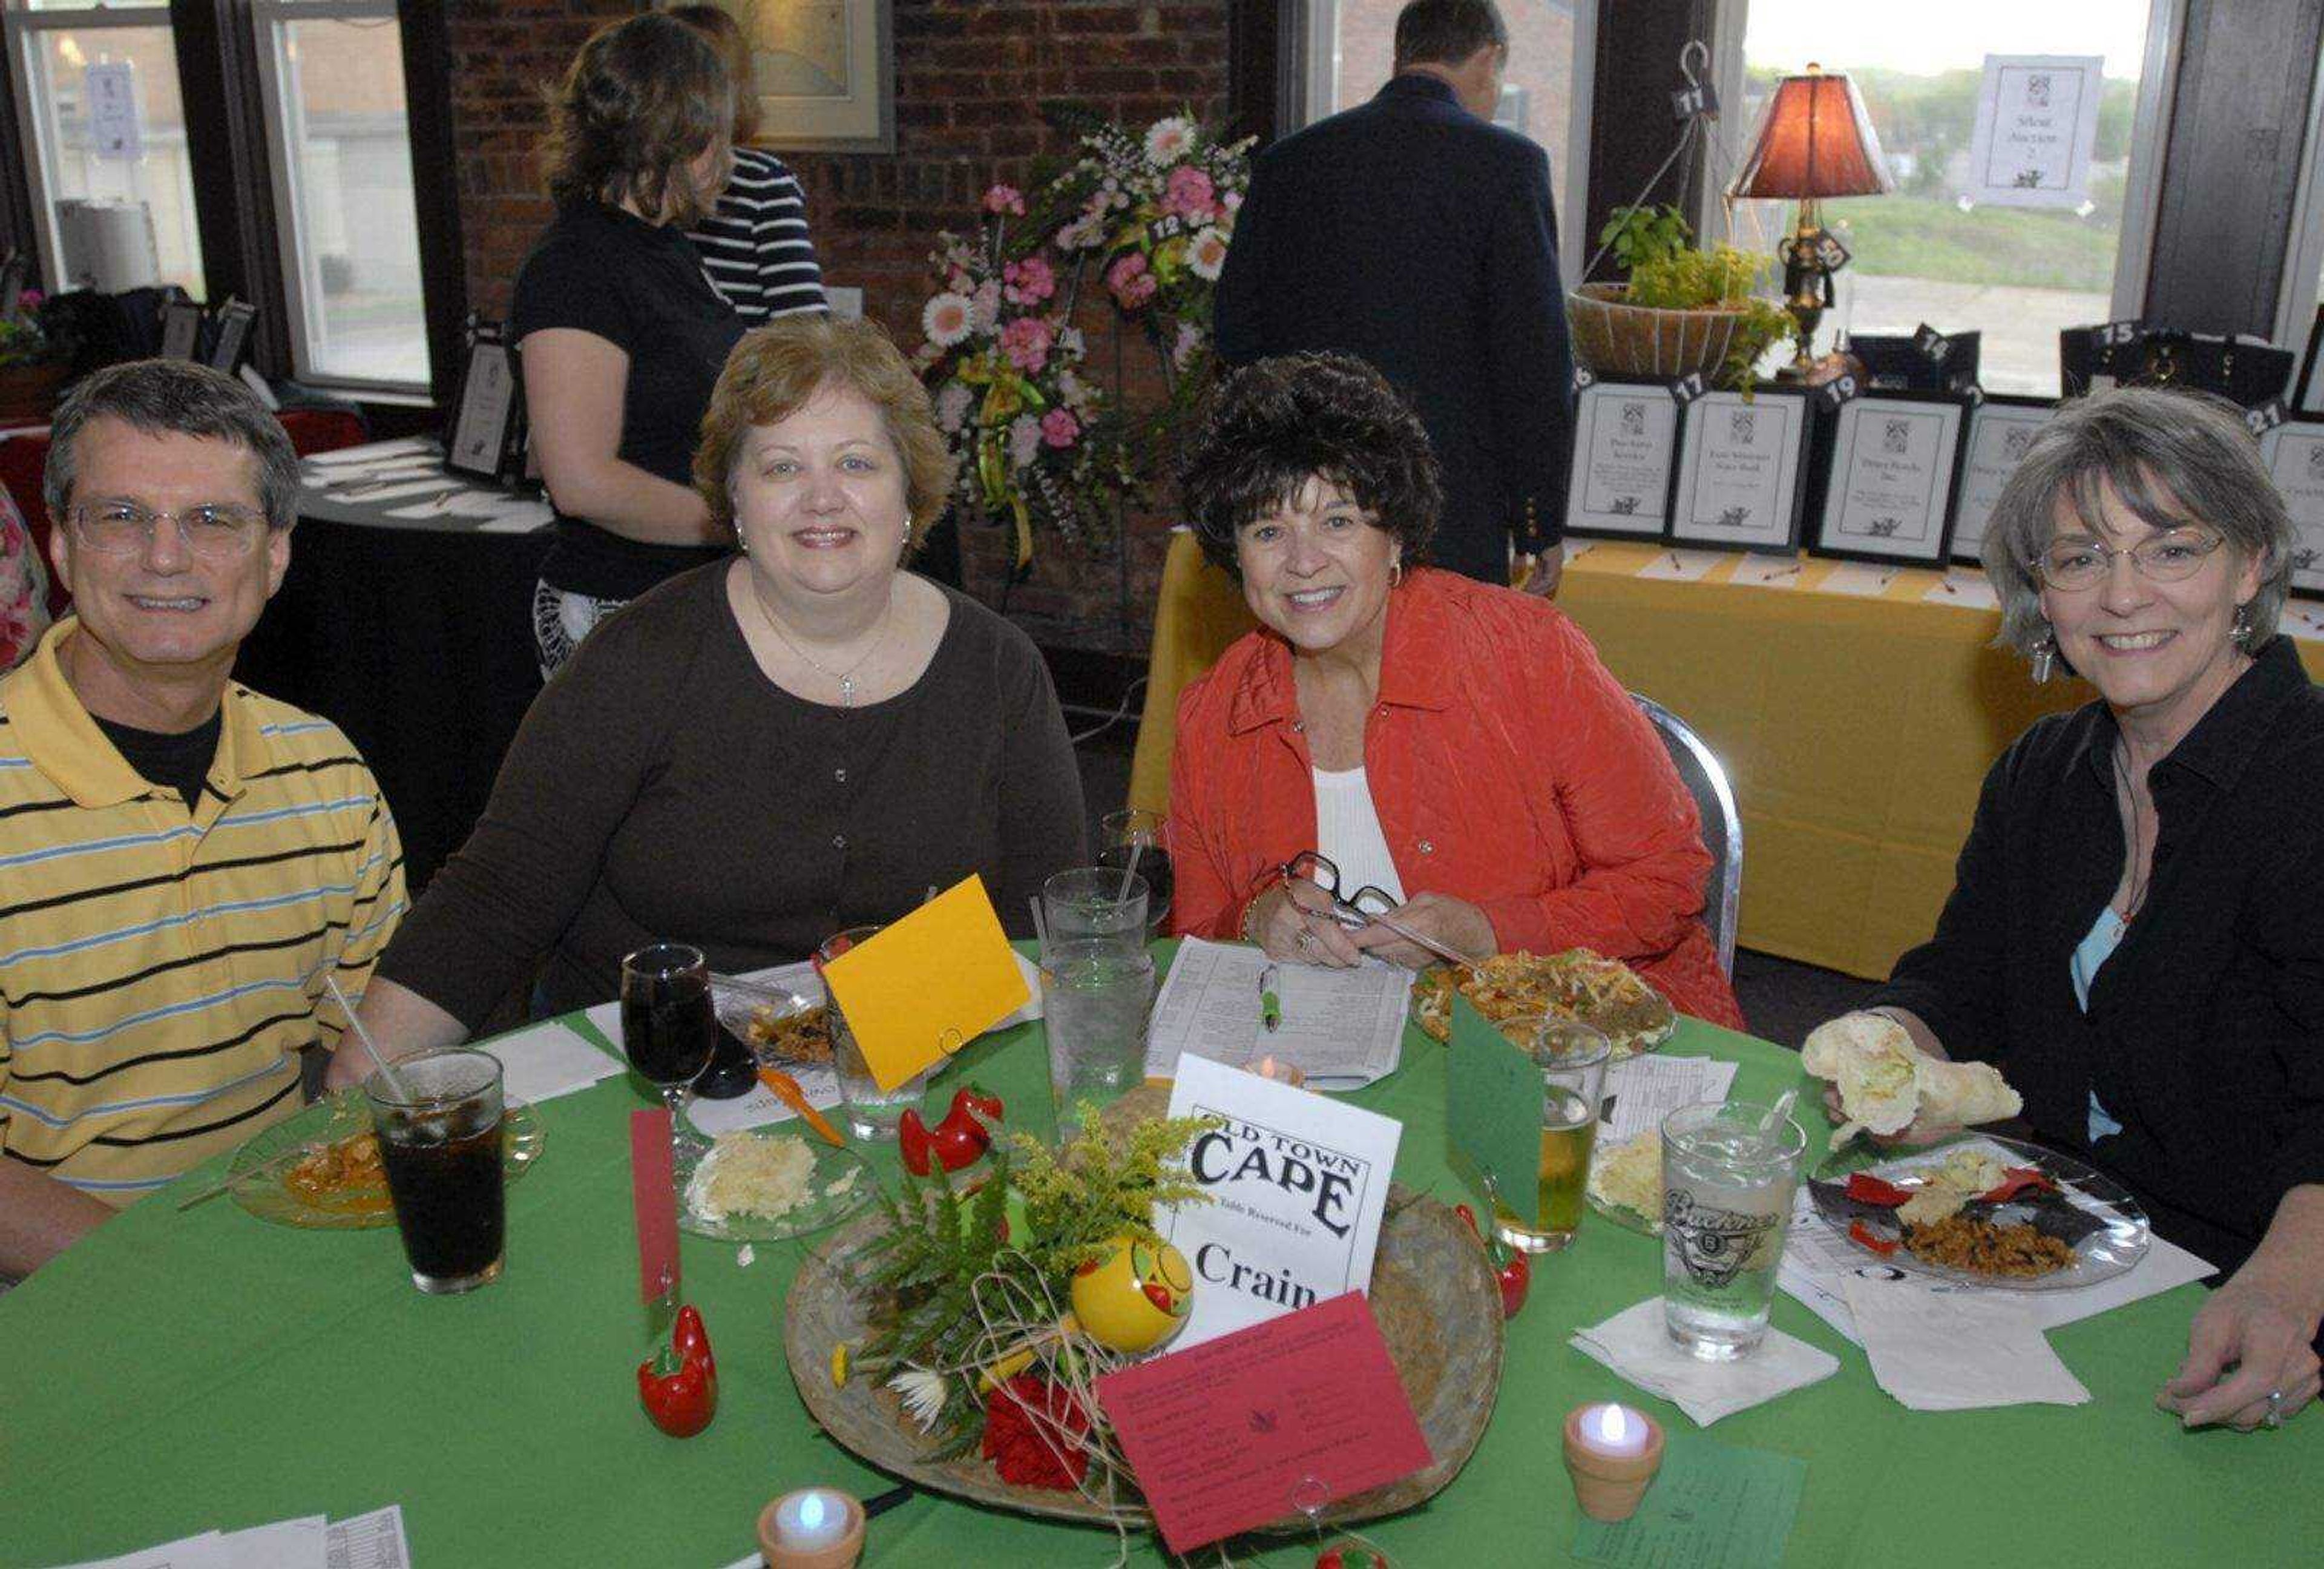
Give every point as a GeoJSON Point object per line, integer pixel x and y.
{"type": "Point", "coordinates": [1094, 996]}
{"type": "Point", "coordinates": [1727, 1176]}
{"type": "Point", "coordinates": [1092, 902]}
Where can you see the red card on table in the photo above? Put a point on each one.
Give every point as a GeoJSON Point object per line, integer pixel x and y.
{"type": "Point", "coordinates": [655, 1203]}
{"type": "Point", "coordinates": [1302, 1409]}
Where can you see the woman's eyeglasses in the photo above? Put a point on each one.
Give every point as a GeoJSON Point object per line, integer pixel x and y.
{"type": "Point", "coordinates": [1309, 875]}
{"type": "Point", "coordinates": [2071, 565]}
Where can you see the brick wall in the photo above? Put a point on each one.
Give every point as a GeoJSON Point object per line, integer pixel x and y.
{"type": "Point", "coordinates": [969, 74]}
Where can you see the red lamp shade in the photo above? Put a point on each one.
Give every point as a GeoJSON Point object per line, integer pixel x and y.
{"type": "Point", "coordinates": [1814, 140]}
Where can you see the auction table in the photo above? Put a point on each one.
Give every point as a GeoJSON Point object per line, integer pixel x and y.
{"type": "Point", "coordinates": [1856, 728]}
{"type": "Point", "coordinates": [177, 1372]}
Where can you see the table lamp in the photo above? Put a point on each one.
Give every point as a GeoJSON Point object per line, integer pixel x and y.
{"type": "Point", "coordinates": [1814, 141]}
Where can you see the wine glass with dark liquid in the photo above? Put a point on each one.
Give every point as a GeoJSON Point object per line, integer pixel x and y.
{"type": "Point", "coordinates": [669, 1026]}
{"type": "Point", "coordinates": [1138, 840]}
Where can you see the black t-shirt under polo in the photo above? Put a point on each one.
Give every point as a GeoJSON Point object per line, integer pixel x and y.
{"type": "Point", "coordinates": [641, 287]}
{"type": "Point", "coordinates": [179, 761]}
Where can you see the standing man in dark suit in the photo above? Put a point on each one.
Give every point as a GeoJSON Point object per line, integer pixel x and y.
{"type": "Point", "coordinates": [1414, 233]}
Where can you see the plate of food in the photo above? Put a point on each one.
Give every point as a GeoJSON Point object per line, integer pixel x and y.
{"type": "Point", "coordinates": [1626, 1182]}
{"type": "Point", "coordinates": [761, 1185]}
{"type": "Point", "coordinates": [1979, 1210]}
{"type": "Point", "coordinates": [333, 1181]}
{"type": "Point", "coordinates": [1604, 994]}
{"type": "Point", "coordinates": [781, 1025]}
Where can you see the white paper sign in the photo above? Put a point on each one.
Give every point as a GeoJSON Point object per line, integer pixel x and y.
{"type": "Point", "coordinates": [1891, 478]}
{"type": "Point", "coordinates": [1738, 471]}
{"type": "Point", "coordinates": [1626, 438]}
{"type": "Point", "coordinates": [2037, 121]}
{"type": "Point", "coordinates": [1299, 1183]}
{"type": "Point", "coordinates": [1999, 434]}
{"type": "Point", "coordinates": [109, 88]}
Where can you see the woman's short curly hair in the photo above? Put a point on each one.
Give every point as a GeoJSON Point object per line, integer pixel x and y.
{"type": "Point", "coordinates": [1271, 427]}
{"type": "Point", "coordinates": [777, 369]}
{"type": "Point", "coordinates": [2174, 456]}
{"type": "Point", "coordinates": [644, 98]}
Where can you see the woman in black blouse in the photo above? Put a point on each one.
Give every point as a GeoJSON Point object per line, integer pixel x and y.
{"type": "Point", "coordinates": [620, 334]}
{"type": "Point", "coordinates": [2135, 935]}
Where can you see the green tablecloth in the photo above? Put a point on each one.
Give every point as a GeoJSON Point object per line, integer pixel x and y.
{"type": "Point", "coordinates": [177, 1372]}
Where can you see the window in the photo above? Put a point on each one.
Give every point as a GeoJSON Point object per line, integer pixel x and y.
{"type": "Point", "coordinates": [96, 94]}
{"type": "Point", "coordinates": [1925, 252]}
{"type": "Point", "coordinates": [339, 147]}
{"type": "Point", "coordinates": [1544, 93]}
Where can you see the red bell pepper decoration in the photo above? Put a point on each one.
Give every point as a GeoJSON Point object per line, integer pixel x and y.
{"type": "Point", "coordinates": [1863, 1236]}
{"type": "Point", "coordinates": [1865, 1189]}
{"type": "Point", "coordinates": [2020, 1178]}
{"type": "Point", "coordinates": [959, 1141]}
{"type": "Point", "coordinates": [1511, 1267]}
{"type": "Point", "coordinates": [679, 1385]}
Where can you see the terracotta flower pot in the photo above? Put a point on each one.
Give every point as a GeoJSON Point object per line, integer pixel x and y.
{"type": "Point", "coordinates": [1616, 338]}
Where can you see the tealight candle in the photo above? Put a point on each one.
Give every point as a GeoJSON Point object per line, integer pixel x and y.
{"type": "Point", "coordinates": [815, 1528]}
{"type": "Point", "coordinates": [1613, 1453]}
{"type": "Point", "coordinates": [1280, 1071]}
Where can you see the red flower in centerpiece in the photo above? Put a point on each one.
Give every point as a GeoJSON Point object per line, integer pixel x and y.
{"type": "Point", "coordinates": [1131, 280]}
{"type": "Point", "coordinates": [1028, 1452]}
{"type": "Point", "coordinates": [1188, 193]}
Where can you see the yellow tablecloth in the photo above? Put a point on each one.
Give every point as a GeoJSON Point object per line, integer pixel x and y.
{"type": "Point", "coordinates": [1856, 730]}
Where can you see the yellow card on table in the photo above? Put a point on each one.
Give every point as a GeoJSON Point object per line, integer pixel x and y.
{"type": "Point", "coordinates": [927, 984]}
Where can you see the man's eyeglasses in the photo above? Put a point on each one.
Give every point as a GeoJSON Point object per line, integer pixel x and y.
{"type": "Point", "coordinates": [2071, 565]}
{"type": "Point", "coordinates": [1314, 882]}
{"type": "Point", "coordinates": [213, 533]}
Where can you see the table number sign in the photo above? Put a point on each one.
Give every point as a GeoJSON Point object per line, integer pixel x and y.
{"type": "Point", "coordinates": [485, 439]}
{"type": "Point", "coordinates": [1740, 467]}
{"type": "Point", "coordinates": [1624, 450]}
{"type": "Point", "coordinates": [1888, 492]}
{"type": "Point", "coordinates": [1298, 1184]}
{"type": "Point", "coordinates": [2037, 123]}
{"type": "Point", "coordinates": [2001, 430]}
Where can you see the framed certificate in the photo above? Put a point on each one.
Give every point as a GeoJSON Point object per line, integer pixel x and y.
{"type": "Point", "coordinates": [2294, 455]}
{"type": "Point", "coordinates": [1625, 455]}
{"type": "Point", "coordinates": [1893, 469]}
{"type": "Point", "coordinates": [486, 435]}
{"type": "Point", "coordinates": [1741, 467]}
{"type": "Point", "coordinates": [2000, 429]}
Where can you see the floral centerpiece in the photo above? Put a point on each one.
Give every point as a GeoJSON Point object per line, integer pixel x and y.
{"type": "Point", "coordinates": [1036, 439]}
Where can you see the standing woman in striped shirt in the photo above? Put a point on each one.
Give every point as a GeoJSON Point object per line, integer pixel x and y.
{"type": "Point", "coordinates": [754, 244]}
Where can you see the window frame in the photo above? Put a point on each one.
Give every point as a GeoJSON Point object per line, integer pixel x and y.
{"type": "Point", "coordinates": [19, 30]}
{"type": "Point", "coordinates": [265, 19]}
{"type": "Point", "coordinates": [2142, 197]}
{"type": "Point", "coordinates": [2297, 295]}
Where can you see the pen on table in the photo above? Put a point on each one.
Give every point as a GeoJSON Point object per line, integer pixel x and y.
{"type": "Point", "coordinates": [1270, 1006]}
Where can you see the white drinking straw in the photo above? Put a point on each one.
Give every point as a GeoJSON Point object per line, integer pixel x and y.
{"type": "Point", "coordinates": [1130, 865]}
{"type": "Point", "coordinates": [363, 1036]}
{"type": "Point", "coordinates": [1041, 928]}
{"type": "Point", "coordinates": [1782, 1109]}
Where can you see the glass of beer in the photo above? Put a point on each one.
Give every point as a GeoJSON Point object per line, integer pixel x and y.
{"type": "Point", "coordinates": [438, 1127]}
{"type": "Point", "coordinates": [1571, 1058]}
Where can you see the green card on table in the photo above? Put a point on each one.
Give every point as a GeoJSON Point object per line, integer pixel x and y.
{"type": "Point", "coordinates": [1712, 1506]}
{"type": "Point", "coordinates": [1492, 1108]}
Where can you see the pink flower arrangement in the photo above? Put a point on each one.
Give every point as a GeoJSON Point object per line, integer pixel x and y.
{"type": "Point", "coordinates": [1028, 282]}
{"type": "Point", "coordinates": [1059, 428]}
{"type": "Point", "coordinates": [1005, 198]}
{"type": "Point", "coordinates": [1189, 193]}
{"type": "Point", "coordinates": [1130, 280]}
{"type": "Point", "coordinates": [1026, 341]}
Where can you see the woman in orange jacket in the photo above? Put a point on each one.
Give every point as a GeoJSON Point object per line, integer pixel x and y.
{"type": "Point", "coordinates": [1454, 745]}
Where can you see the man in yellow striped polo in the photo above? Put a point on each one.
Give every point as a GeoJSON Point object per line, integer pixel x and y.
{"type": "Point", "coordinates": [183, 862]}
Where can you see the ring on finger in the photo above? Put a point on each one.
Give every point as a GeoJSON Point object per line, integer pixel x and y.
{"type": "Point", "coordinates": [1306, 940]}
{"type": "Point", "coordinates": [2275, 1417]}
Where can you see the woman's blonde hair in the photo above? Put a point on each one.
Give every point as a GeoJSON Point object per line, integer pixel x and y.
{"type": "Point", "coordinates": [777, 369]}
{"type": "Point", "coordinates": [718, 25]}
{"type": "Point", "coordinates": [643, 99]}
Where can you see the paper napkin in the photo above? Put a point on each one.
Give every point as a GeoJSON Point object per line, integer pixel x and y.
{"type": "Point", "coordinates": [1634, 1344]}
{"type": "Point", "coordinates": [1949, 1351]}
{"type": "Point", "coordinates": [548, 1060]}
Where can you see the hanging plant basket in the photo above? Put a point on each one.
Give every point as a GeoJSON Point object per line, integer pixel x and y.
{"type": "Point", "coordinates": [1616, 338]}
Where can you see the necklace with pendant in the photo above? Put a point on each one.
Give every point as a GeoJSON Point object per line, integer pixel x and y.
{"type": "Point", "coordinates": [846, 677]}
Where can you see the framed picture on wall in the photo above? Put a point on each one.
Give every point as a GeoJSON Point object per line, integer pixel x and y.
{"type": "Point", "coordinates": [2000, 429]}
{"type": "Point", "coordinates": [825, 72]}
{"type": "Point", "coordinates": [2294, 455]}
{"type": "Point", "coordinates": [1741, 468]}
{"type": "Point", "coordinates": [1893, 470]}
{"type": "Point", "coordinates": [1625, 455]}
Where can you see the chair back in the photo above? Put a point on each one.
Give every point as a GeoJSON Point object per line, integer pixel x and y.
{"type": "Point", "coordinates": [1723, 825]}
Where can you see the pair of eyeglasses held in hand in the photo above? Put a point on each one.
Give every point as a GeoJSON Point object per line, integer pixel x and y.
{"type": "Point", "coordinates": [1367, 907]}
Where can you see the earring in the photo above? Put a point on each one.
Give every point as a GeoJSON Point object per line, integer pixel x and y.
{"type": "Point", "coordinates": [1395, 574]}
{"type": "Point", "coordinates": [2045, 657]}
{"type": "Point", "coordinates": [2240, 635]}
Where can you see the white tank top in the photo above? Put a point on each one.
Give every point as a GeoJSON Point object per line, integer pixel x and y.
{"type": "Point", "coordinates": [1348, 833]}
